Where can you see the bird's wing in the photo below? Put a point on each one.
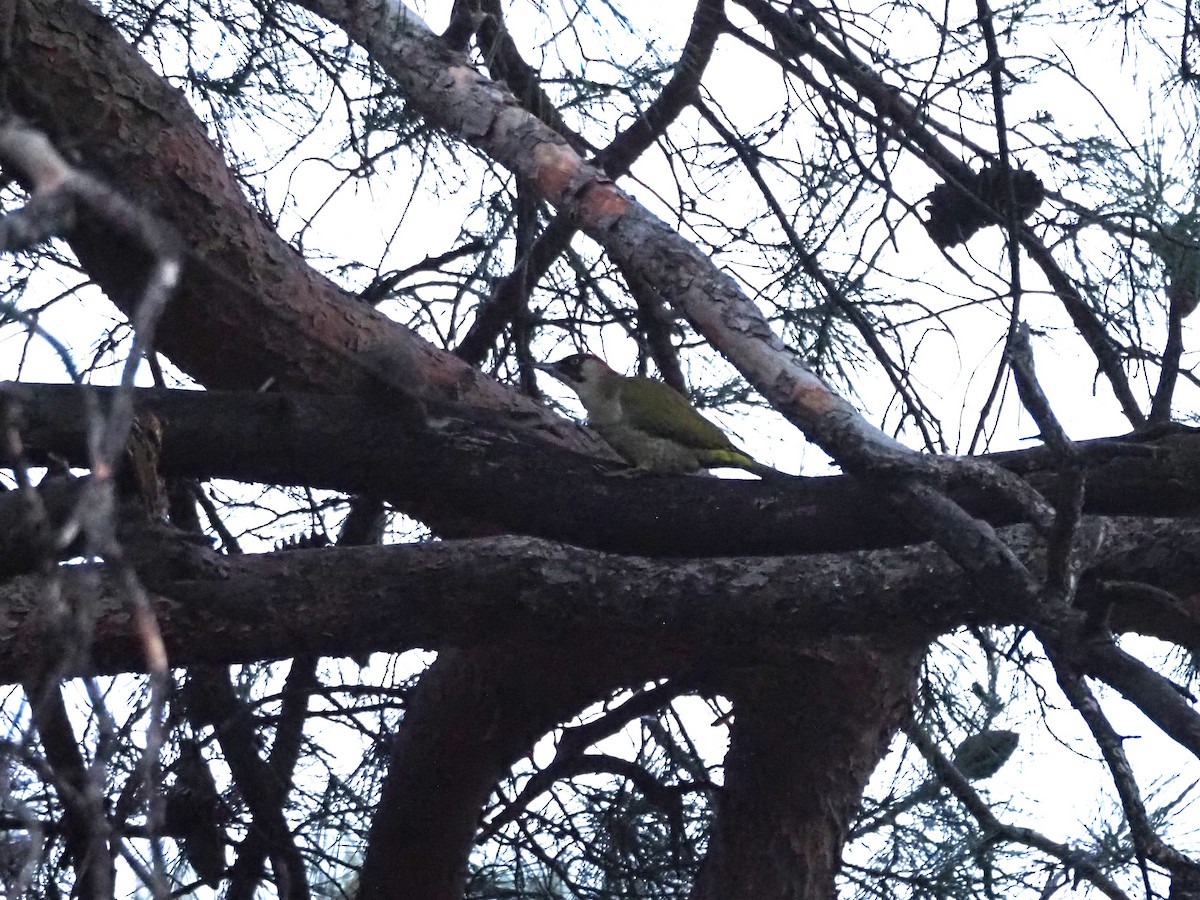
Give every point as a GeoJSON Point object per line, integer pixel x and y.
{"type": "Point", "coordinates": [668, 414]}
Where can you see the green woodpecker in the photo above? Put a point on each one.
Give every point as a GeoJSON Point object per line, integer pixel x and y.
{"type": "Point", "coordinates": [648, 422]}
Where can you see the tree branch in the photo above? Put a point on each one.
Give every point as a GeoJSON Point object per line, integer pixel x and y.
{"type": "Point", "coordinates": [1164, 703]}
{"type": "Point", "coordinates": [475, 713]}
{"type": "Point", "coordinates": [212, 700]}
{"type": "Point", "coordinates": [85, 824]}
{"type": "Point", "coordinates": [1146, 842]}
{"type": "Point", "coordinates": [338, 602]}
{"type": "Point", "coordinates": [476, 465]}
{"type": "Point", "coordinates": [997, 830]}
{"type": "Point", "coordinates": [616, 160]}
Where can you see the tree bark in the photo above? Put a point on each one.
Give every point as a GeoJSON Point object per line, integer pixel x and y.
{"type": "Point", "coordinates": [537, 594]}
{"type": "Point", "coordinates": [492, 466]}
{"type": "Point", "coordinates": [248, 310]}
{"type": "Point", "coordinates": [804, 741]}
{"type": "Point", "coordinates": [475, 714]}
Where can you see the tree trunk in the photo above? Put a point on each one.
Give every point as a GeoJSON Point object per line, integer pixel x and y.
{"type": "Point", "coordinates": [804, 741]}
{"type": "Point", "coordinates": [472, 716]}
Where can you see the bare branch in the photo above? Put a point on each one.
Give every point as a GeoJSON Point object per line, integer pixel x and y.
{"type": "Point", "coordinates": [1165, 704]}
{"type": "Point", "coordinates": [616, 160]}
{"type": "Point", "coordinates": [1146, 841]}
{"type": "Point", "coordinates": [1071, 858]}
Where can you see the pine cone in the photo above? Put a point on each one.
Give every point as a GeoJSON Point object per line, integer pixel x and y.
{"type": "Point", "coordinates": [956, 213]}
{"type": "Point", "coordinates": [981, 755]}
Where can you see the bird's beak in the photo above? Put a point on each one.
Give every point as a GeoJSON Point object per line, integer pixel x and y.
{"type": "Point", "coordinates": [548, 368]}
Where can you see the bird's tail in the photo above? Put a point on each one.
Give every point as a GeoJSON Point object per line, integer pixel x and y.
{"type": "Point", "coordinates": [765, 472]}
{"type": "Point", "coordinates": [735, 459]}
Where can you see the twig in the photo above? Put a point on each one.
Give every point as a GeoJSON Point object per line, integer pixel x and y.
{"type": "Point", "coordinates": [945, 771]}
{"type": "Point", "coordinates": [1146, 841]}
{"type": "Point", "coordinates": [1066, 560]}
{"type": "Point", "coordinates": [571, 746]}
{"type": "Point", "coordinates": [58, 192]}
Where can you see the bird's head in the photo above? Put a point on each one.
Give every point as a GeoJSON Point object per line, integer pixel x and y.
{"type": "Point", "coordinates": [582, 372]}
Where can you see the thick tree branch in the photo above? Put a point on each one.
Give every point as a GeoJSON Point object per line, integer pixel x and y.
{"type": "Point", "coordinates": [444, 763]}
{"type": "Point", "coordinates": [804, 741]}
{"type": "Point", "coordinates": [338, 602]}
{"type": "Point", "coordinates": [471, 465]}
{"type": "Point", "coordinates": [615, 159]}
{"type": "Point", "coordinates": [249, 310]}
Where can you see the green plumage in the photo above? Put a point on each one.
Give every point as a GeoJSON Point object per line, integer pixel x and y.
{"type": "Point", "coordinates": [648, 422]}
{"type": "Point", "coordinates": [660, 410]}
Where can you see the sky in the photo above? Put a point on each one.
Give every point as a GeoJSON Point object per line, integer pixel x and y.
{"type": "Point", "coordinates": [357, 220]}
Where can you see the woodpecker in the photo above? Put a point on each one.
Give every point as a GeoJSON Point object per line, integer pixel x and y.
{"type": "Point", "coordinates": [648, 422]}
